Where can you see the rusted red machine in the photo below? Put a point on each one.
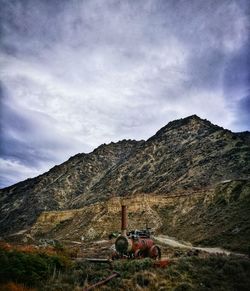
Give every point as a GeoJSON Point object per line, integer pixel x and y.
{"type": "Point", "coordinates": [136, 243]}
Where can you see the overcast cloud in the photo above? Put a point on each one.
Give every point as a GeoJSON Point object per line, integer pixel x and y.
{"type": "Point", "coordinates": [76, 74]}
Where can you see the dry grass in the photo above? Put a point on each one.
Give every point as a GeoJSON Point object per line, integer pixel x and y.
{"type": "Point", "coordinates": [15, 287]}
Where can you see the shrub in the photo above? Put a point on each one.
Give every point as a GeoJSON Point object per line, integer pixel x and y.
{"type": "Point", "coordinates": [184, 287]}
{"type": "Point", "coordinates": [132, 266]}
{"type": "Point", "coordinates": [14, 287]}
{"type": "Point", "coordinates": [31, 269]}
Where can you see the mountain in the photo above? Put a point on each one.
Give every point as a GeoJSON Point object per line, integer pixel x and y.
{"type": "Point", "coordinates": [186, 154]}
{"type": "Point", "coordinates": [23, 202]}
{"type": "Point", "coordinates": [189, 169]}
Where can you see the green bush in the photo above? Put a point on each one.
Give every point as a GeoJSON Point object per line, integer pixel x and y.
{"type": "Point", "coordinates": [31, 269]}
{"type": "Point", "coordinates": [184, 287]}
{"type": "Point", "coordinates": [132, 266]}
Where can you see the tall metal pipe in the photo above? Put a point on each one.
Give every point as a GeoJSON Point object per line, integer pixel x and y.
{"type": "Point", "coordinates": [124, 220]}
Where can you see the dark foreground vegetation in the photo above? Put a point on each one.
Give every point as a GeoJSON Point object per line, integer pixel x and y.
{"type": "Point", "coordinates": [36, 270]}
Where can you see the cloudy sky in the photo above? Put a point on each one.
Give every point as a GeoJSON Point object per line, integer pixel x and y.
{"type": "Point", "coordinates": [76, 74]}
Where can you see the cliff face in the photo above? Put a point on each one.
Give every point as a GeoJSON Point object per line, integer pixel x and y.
{"type": "Point", "coordinates": [187, 158]}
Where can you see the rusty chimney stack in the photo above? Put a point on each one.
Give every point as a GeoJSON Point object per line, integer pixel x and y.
{"type": "Point", "coordinates": [124, 220]}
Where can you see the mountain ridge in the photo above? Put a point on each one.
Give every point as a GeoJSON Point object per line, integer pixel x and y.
{"type": "Point", "coordinates": [172, 124]}
{"type": "Point", "coordinates": [189, 155]}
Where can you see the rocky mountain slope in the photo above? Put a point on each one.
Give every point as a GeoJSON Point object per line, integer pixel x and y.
{"type": "Point", "coordinates": [187, 154]}
{"type": "Point", "coordinates": [23, 202]}
{"type": "Point", "coordinates": [186, 162]}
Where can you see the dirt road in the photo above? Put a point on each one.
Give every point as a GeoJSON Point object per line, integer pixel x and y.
{"type": "Point", "coordinates": [175, 243]}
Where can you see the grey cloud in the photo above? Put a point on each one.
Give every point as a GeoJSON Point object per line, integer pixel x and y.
{"type": "Point", "coordinates": [243, 109]}
{"type": "Point", "coordinates": [80, 73]}
{"type": "Point", "coordinates": [237, 74]}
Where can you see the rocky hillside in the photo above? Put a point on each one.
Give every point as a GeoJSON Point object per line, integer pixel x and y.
{"type": "Point", "coordinates": [23, 202]}
{"type": "Point", "coordinates": [187, 154]}
{"type": "Point", "coordinates": [218, 217]}
{"type": "Point", "coordinates": [187, 158]}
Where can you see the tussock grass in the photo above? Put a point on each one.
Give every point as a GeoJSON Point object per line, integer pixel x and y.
{"type": "Point", "coordinates": [50, 272]}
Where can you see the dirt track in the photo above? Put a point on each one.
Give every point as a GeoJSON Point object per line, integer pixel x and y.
{"type": "Point", "coordinates": [175, 243]}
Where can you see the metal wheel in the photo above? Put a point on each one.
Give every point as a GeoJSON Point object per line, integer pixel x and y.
{"type": "Point", "coordinates": [155, 252]}
{"type": "Point", "coordinates": [138, 254]}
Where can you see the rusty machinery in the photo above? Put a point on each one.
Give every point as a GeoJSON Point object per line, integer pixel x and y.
{"type": "Point", "coordinates": [136, 243]}
{"type": "Point", "coordinates": [128, 245]}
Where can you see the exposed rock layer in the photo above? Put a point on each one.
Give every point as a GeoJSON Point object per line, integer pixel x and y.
{"type": "Point", "coordinates": [188, 157]}
{"type": "Point", "coordinates": [217, 217]}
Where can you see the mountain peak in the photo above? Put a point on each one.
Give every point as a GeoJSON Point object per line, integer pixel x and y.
{"type": "Point", "coordinates": [183, 121]}
{"type": "Point", "coordinates": [192, 123]}
{"type": "Point", "coordinates": [193, 116]}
